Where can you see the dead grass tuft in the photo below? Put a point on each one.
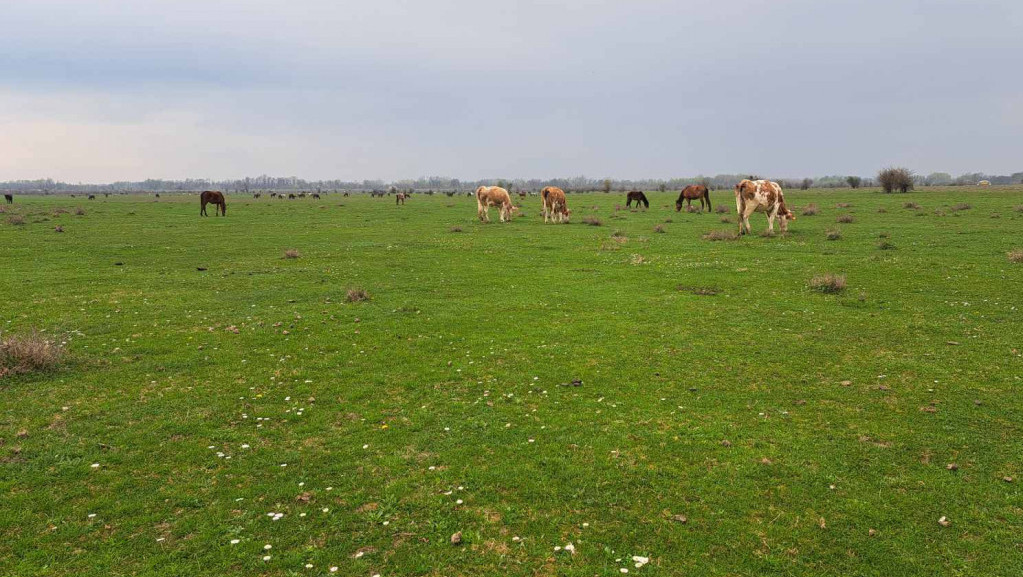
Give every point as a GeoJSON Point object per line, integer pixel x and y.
{"type": "Point", "coordinates": [811, 210]}
{"type": "Point", "coordinates": [721, 235]}
{"type": "Point", "coordinates": [28, 353]}
{"type": "Point", "coordinates": [828, 283]}
{"type": "Point", "coordinates": [356, 295]}
{"type": "Point", "coordinates": [292, 253]}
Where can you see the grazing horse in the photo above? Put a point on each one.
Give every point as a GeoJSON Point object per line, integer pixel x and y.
{"type": "Point", "coordinates": [638, 197]}
{"type": "Point", "coordinates": [214, 197]}
{"type": "Point", "coordinates": [400, 198]}
{"type": "Point", "coordinates": [316, 195]}
{"type": "Point", "coordinates": [761, 196]}
{"type": "Point", "coordinates": [488, 196]}
{"type": "Point", "coordinates": [689, 193]}
{"type": "Point", "coordinates": [554, 204]}
{"type": "Point", "coordinates": [9, 198]}
{"type": "Point", "coordinates": [255, 195]}
{"type": "Point", "coordinates": [92, 197]}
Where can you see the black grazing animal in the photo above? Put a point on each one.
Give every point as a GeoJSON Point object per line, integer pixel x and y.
{"type": "Point", "coordinates": [92, 197]}
{"type": "Point", "coordinates": [255, 195]}
{"type": "Point", "coordinates": [214, 197]}
{"type": "Point", "coordinates": [400, 198]}
{"type": "Point", "coordinates": [9, 198]}
{"type": "Point", "coordinates": [316, 195]}
{"type": "Point", "coordinates": [638, 197]}
{"type": "Point", "coordinates": [689, 193]}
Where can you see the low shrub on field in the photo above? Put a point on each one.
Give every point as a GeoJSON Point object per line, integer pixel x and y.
{"type": "Point", "coordinates": [456, 229]}
{"type": "Point", "coordinates": [995, 215]}
{"type": "Point", "coordinates": [355, 295]}
{"type": "Point", "coordinates": [911, 206]}
{"type": "Point", "coordinates": [80, 211]}
{"type": "Point", "coordinates": [619, 237]}
{"type": "Point", "coordinates": [833, 234]}
{"type": "Point", "coordinates": [721, 235]}
{"type": "Point", "coordinates": [1015, 255]}
{"type": "Point", "coordinates": [726, 220]}
{"type": "Point", "coordinates": [292, 253]}
{"type": "Point", "coordinates": [844, 218]}
{"type": "Point", "coordinates": [16, 219]}
{"type": "Point", "coordinates": [1018, 208]}
{"type": "Point", "coordinates": [811, 210]}
{"type": "Point", "coordinates": [28, 353]}
{"type": "Point", "coordinates": [638, 259]}
{"type": "Point", "coordinates": [885, 245]}
{"type": "Point", "coordinates": [659, 229]}
{"type": "Point", "coordinates": [828, 283]}
{"type": "Point", "coordinates": [58, 228]}
{"type": "Point", "coordinates": [592, 221]}
{"type": "Point", "coordinates": [881, 210]}
{"type": "Point", "coordinates": [668, 221]}
{"type": "Point", "coordinates": [721, 209]}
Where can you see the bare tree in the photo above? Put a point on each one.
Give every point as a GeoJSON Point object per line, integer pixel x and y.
{"type": "Point", "coordinates": [893, 178]}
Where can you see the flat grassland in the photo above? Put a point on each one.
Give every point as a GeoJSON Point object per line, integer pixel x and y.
{"type": "Point", "coordinates": [730, 420]}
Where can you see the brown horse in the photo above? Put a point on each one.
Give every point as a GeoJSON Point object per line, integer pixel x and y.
{"type": "Point", "coordinates": [9, 198]}
{"type": "Point", "coordinates": [689, 193]}
{"type": "Point", "coordinates": [638, 196]}
{"type": "Point", "coordinates": [214, 197]}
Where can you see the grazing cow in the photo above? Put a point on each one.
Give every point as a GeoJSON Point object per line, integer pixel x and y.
{"type": "Point", "coordinates": [638, 197]}
{"type": "Point", "coordinates": [761, 196]}
{"type": "Point", "coordinates": [9, 198]}
{"type": "Point", "coordinates": [106, 194]}
{"type": "Point", "coordinates": [346, 194]}
{"type": "Point", "coordinates": [291, 195]}
{"type": "Point", "coordinates": [400, 198]}
{"type": "Point", "coordinates": [92, 197]}
{"type": "Point", "coordinates": [488, 196]}
{"type": "Point", "coordinates": [255, 195]}
{"type": "Point", "coordinates": [214, 197]}
{"type": "Point", "coordinates": [554, 204]}
{"type": "Point", "coordinates": [689, 193]}
{"type": "Point", "coordinates": [316, 195]}
{"type": "Point", "coordinates": [273, 195]}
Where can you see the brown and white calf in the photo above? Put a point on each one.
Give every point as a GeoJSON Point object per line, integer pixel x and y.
{"type": "Point", "coordinates": [761, 196]}
{"type": "Point", "coordinates": [488, 196]}
{"type": "Point", "coordinates": [554, 204]}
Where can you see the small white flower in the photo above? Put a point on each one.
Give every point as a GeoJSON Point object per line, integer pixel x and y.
{"type": "Point", "coordinates": [333, 569]}
{"type": "Point", "coordinates": [91, 515]}
{"type": "Point", "coordinates": [235, 541]}
{"type": "Point", "coordinates": [95, 465]}
{"type": "Point", "coordinates": [308, 565]}
{"type": "Point", "coordinates": [266, 558]}
{"type": "Point", "coordinates": [267, 547]}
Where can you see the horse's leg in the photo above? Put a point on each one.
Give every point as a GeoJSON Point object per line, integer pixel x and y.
{"type": "Point", "coordinates": [707, 195]}
{"type": "Point", "coordinates": [202, 209]}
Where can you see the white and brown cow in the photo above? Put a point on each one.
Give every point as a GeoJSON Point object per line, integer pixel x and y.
{"type": "Point", "coordinates": [488, 196]}
{"type": "Point", "coordinates": [761, 196]}
{"type": "Point", "coordinates": [554, 204]}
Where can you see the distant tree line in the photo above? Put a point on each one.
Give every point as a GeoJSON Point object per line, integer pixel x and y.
{"type": "Point", "coordinates": [444, 184]}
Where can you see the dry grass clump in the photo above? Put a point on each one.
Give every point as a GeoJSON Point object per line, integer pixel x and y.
{"type": "Point", "coordinates": [811, 210]}
{"type": "Point", "coordinates": [833, 234]}
{"type": "Point", "coordinates": [828, 283]}
{"type": "Point", "coordinates": [638, 259]}
{"type": "Point", "coordinates": [28, 353]}
{"type": "Point", "coordinates": [1018, 208]}
{"type": "Point", "coordinates": [356, 295]}
{"type": "Point", "coordinates": [16, 219]}
{"type": "Point", "coordinates": [699, 290]}
{"type": "Point", "coordinates": [885, 245]}
{"type": "Point", "coordinates": [80, 211]}
{"type": "Point", "coordinates": [592, 221]}
{"type": "Point", "coordinates": [721, 209]}
{"type": "Point", "coordinates": [726, 220]}
{"type": "Point", "coordinates": [881, 210]}
{"type": "Point", "coordinates": [619, 237]}
{"type": "Point", "coordinates": [456, 229]}
{"type": "Point", "coordinates": [844, 218]}
{"type": "Point", "coordinates": [58, 228]}
{"type": "Point", "coordinates": [843, 205]}
{"type": "Point", "coordinates": [292, 253]}
{"type": "Point", "coordinates": [660, 229]}
{"type": "Point", "coordinates": [1015, 255]}
{"type": "Point", "coordinates": [961, 206]}
{"type": "Point", "coordinates": [911, 206]}
{"type": "Point", "coordinates": [721, 235]}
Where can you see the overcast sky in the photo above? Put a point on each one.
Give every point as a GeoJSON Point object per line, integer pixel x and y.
{"type": "Point", "coordinates": [98, 91]}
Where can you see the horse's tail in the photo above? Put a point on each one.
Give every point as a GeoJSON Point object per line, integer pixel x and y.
{"type": "Point", "coordinates": [646, 202]}
{"type": "Point", "coordinates": [706, 195]}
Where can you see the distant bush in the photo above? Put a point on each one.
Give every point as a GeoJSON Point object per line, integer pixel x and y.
{"type": "Point", "coordinates": [28, 353]}
{"type": "Point", "coordinates": [1018, 208]}
{"type": "Point", "coordinates": [895, 179]}
{"type": "Point", "coordinates": [828, 283]}
{"type": "Point", "coordinates": [592, 221]}
{"type": "Point", "coordinates": [854, 181]}
{"type": "Point", "coordinates": [292, 253]}
{"type": "Point", "coordinates": [1015, 255]}
{"type": "Point", "coordinates": [721, 235]}
{"type": "Point", "coordinates": [699, 290]}
{"type": "Point", "coordinates": [355, 295]}
{"type": "Point", "coordinates": [844, 218]}
{"type": "Point", "coordinates": [881, 210]}
{"type": "Point", "coordinates": [16, 219]}
{"type": "Point", "coordinates": [811, 210]}
{"type": "Point", "coordinates": [834, 234]}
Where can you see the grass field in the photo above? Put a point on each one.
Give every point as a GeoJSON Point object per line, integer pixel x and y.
{"type": "Point", "coordinates": [730, 419]}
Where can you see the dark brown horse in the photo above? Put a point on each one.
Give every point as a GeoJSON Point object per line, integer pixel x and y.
{"type": "Point", "coordinates": [638, 197]}
{"type": "Point", "coordinates": [689, 193]}
{"type": "Point", "coordinates": [9, 198]}
{"type": "Point", "coordinates": [214, 197]}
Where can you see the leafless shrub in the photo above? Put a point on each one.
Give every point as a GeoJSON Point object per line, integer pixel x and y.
{"type": "Point", "coordinates": [592, 221]}
{"type": "Point", "coordinates": [1018, 208]}
{"type": "Point", "coordinates": [881, 210]}
{"type": "Point", "coordinates": [844, 219]}
{"type": "Point", "coordinates": [828, 283]}
{"type": "Point", "coordinates": [834, 234]}
{"type": "Point", "coordinates": [637, 259]}
{"type": "Point", "coordinates": [721, 235]}
{"type": "Point", "coordinates": [843, 205]}
{"type": "Point", "coordinates": [996, 215]}
{"type": "Point", "coordinates": [811, 210]}
{"type": "Point", "coordinates": [28, 353]}
{"type": "Point", "coordinates": [726, 220]}
{"type": "Point", "coordinates": [1015, 255]}
{"type": "Point", "coordinates": [292, 253]}
{"type": "Point", "coordinates": [892, 179]}
{"type": "Point", "coordinates": [356, 295]}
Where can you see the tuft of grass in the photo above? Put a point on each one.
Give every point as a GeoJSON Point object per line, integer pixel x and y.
{"type": "Point", "coordinates": [881, 210]}
{"type": "Point", "coordinates": [995, 215]}
{"type": "Point", "coordinates": [844, 218]}
{"type": "Point", "coordinates": [960, 206]}
{"type": "Point", "coordinates": [828, 283]}
{"type": "Point", "coordinates": [668, 221]}
{"type": "Point", "coordinates": [1018, 208]}
{"type": "Point", "coordinates": [80, 211]}
{"type": "Point", "coordinates": [16, 219]}
{"type": "Point", "coordinates": [638, 259]}
{"type": "Point", "coordinates": [699, 290]}
{"type": "Point", "coordinates": [456, 229]}
{"type": "Point", "coordinates": [292, 253]}
{"type": "Point", "coordinates": [592, 221]}
{"type": "Point", "coordinates": [726, 220]}
{"type": "Point", "coordinates": [843, 205]}
{"type": "Point", "coordinates": [659, 229]}
{"type": "Point", "coordinates": [1015, 255]}
{"type": "Point", "coordinates": [885, 245]}
{"type": "Point", "coordinates": [833, 234]}
{"type": "Point", "coordinates": [721, 235]}
{"type": "Point", "coordinates": [811, 210]}
{"type": "Point", "coordinates": [58, 228]}
{"type": "Point", "coordinates": [911, 206]}
{"type": "Point", "coordinates": [721, 209]}
{"type": "Point", "coordinates": [28, 353]}
{"type": "Point", "coordinates": [356, 295]}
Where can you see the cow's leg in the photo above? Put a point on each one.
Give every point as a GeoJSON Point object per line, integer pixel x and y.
{"type": "Point", "coordinates": [771, 214]}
